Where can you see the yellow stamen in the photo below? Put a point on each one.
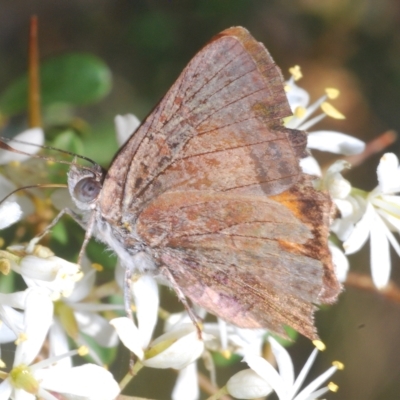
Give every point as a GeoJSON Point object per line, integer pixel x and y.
{"type": "Point", "coordinates": [42, 251]}
{"type": "Point", "coordinates": [5, 266]}
{"type": "Point", "coordinates": [22, 337]}
{"type": "Point", "coordinates": [97, 267]}
{"type": "Point", "coordinates": [296, 72]}
{"type": "Point", "coordinates": [226, 354]}
{"type": "Point", "coordinates": [299, 112]}
{"type": "Point", "coordinates": [332, 93]}
{"type": "Point", "coordinates": [338, 365]}
{"type": "Point", "coordinates": [83, 351]}
{"type": "Point", "coordinates": [331, 111]}
{"type": "Point", "coordinates": [2, 364]}
{"type": "Point", "coordinates": [319, 345]}
{"type": "Point", "coordinates": [333, 387]}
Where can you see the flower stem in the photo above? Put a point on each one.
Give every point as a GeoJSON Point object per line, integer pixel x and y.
{"type": "Point", "coordinates": [130, 375]}
{"type": "Point", "coordinates": [33, 74]}
{"type": "Point", "coordinates": [221, 392]}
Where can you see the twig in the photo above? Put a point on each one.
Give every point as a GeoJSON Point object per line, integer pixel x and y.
{"type": "Point", "coordinates": [360, 281]}
{"type": "Point", "coordinates": [375, 146]}
{"type": "Point", "coordinates": [206, 385]}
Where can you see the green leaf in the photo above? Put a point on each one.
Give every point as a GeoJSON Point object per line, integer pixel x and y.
{"type": "Point", "coordinates": [221, 361]}
{"type": "Point", "coordinates": [76, 79]}
{"type": "Point", "coordinates": [69, 140]}
{"type": "Point", "coordinates": [59, 233]}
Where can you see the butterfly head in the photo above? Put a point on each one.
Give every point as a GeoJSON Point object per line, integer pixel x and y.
{"type": "Point", "coordinates": [84, 185]}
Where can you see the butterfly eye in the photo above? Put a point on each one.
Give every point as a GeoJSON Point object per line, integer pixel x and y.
{"type": "Point", "coordinates": [87, 190]}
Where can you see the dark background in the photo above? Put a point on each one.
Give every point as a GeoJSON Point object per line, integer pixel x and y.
{"type": "Point", "coordinates": [353, 45]}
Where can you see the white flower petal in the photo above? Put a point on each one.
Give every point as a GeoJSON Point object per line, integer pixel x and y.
{"type": "Point", "coordinates": [392, 221]}
{"type": "Point", "coordinates": [15, 300]}
{"type": "Point", "coordinates": [247, 384]}
{"type": "Point", "coordinates": [125, 126]}
{"type": "Point", "coordinates": [129, 335]}
{"type": "Point", "coordinates": [5, 390]}
{"type": "Point", "coordinates": [33, 135]}
{"type": "Point", "coordinates": [186, 385]}
{"type": "Point", "coordinates": [145, 296]}
{"type": "Point", "coordinates": [310, 166]}
{"type": "Point", "coordinates": [340, 262]}
{"type": "Point", "coordinates": [267, 372]}
{"type": "Point", "coordinates": [178, 348]}
{"type": "Point", "coordinates": [88, 382]}
{"type": "Point", "coordinates": [6, 187]}
{"type": "Point", "coordinates": [20, 394]}
{"type": "Point", "coordinates": [388, 174]}
{"type": "Point", "coordinates": [97, 327]}
{"type": "Point", "coordinates": [37, 320]}
{"type": "Point", "coordinates": [297, 96]}
{"type": "Point", "coordinates": [284, 362]}
{"type": "Point", "coordinates": [360, 233]}
{"type": "Point", "coordinates": [335, 142]}
{"type": "Point", "coordinates": [11, 324]}
{"type": "Point", "coordinates": [58, 341]}
{"type": "Point", "coordinates": [380, 253]}
{"type": "Point", "coordinates": [10, 212]}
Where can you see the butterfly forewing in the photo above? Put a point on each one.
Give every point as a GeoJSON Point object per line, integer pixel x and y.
{"type": "Point", "coordinates": [217, 128]}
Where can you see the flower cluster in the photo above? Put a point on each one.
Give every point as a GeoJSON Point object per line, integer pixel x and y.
{"type": "Point", "coordinates": [61, 305]}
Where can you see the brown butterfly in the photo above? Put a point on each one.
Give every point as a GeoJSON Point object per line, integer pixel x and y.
{"type": "Point", "coordinates": [208, 193]}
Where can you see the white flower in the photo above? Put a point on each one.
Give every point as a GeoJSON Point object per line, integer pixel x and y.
{"type": "Point", "coordinates": [76, 314]}
{"type": "Point", "coordinates": [11, 325]}
{"type": "Point", "coordinates": [10, 212]}
{"type": "Point", "coordinates": [186, 386]}
{"type": "Point", "coordinates": [125, 126]}
{"type": "Point", "coordinates": [340, 262]}
{"type": "Point", "coordinates": [174, 349]}
{"type": "Point", "coordinates": [262, 378]}
{"type": "Point", "coordinates": [323, 140]}
{"type": "Point", "coordinates": [39, 267]}
{"type": "Point", "coordinates": [28, 381]}
{"type": "Point", "coordinates": [25, 205]}
{"type": "Point", "coordinates": [144, 293]}
{"type": "Point", "coordinates": [35, 136]}
{"type": "Point", "coordinates": [373, 216]}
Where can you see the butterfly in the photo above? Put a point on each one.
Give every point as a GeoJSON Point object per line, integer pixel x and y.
{"type": "Point", "coordinates": [208, 194]}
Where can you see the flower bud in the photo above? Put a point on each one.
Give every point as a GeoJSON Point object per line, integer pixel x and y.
{"type": "Point", "coordinates": [247, 384]}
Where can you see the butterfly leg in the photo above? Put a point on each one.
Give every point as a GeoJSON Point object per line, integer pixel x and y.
{"type": "Point", "coordinates": [64, 211]}
{"type": "Point", "coordinates": [195, 319]}
{"type": "Point", "coordinates": [127, 293]}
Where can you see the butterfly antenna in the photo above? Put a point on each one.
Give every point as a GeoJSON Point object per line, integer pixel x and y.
{"type": "Point", "coordinates": [6, 147]}
{"type": "Point", "coordinates": [48, 148]}
{"type": "Point", "coordinates": [39, 185]}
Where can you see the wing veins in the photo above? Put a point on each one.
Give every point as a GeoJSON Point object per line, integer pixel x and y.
{"type": "Point", "coordinates": [227, 105]}
{"type": "Point", "coordinates": [230, 148]}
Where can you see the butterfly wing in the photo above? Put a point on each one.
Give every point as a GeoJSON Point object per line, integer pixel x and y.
{"type": "Point", "coordinates": [218, 128]}
{"type": "Point", "coordinates": [254, 261]}
{"type": "Point", "coordinates": [211, 183]}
